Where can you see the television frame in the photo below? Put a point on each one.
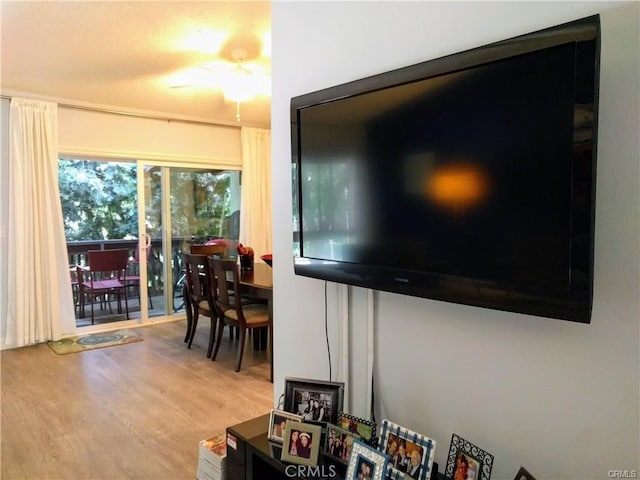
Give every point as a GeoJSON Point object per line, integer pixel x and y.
{"type": "Point", "coordinates": [573, 303]}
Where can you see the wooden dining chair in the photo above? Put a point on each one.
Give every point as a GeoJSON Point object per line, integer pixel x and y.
{"type": "Point", "coordinates": [233, 311]}
{"type": "Point", "coordinates": [106, 275]}
{"type": "Point", "coordinates": [200, 249]}
{"type": "Point", "coordinates": [199, 296]}
{"type": "Point", "coordinates": [219, 249]}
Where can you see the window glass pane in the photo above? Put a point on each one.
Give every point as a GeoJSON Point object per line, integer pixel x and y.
{"type": "Point", "coordinates": [99, 200]}
{"type": "Point", "coordinates": [205, 204]}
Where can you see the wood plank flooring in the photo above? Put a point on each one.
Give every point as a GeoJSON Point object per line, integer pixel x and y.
{"type": "Point", "coordinates": [134, 411]}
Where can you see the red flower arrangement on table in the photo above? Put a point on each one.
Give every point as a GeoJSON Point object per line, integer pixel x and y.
{"type": "Point", "coordinates": [246, 257]}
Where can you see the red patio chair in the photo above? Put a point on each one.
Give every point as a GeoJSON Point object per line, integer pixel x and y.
{"type": "Point", "coordinates": [106, 275]}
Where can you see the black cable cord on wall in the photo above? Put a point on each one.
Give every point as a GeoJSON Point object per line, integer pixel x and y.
{"type": "Point", "coordinates": [373, 401]}
{"type": "Point", "coordinates": [373, 386]}
{"type": "Point", "coordinates": [326, 329]}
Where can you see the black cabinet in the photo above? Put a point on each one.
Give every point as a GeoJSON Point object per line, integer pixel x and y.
{"type": "Point", "coordinates": [250, 456]}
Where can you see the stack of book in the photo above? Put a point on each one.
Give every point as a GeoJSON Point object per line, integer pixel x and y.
{"type": "Point", "coordinates": [212, 455]}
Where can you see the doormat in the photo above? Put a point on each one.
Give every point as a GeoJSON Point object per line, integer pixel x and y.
{"type": "Point", "coordinates": [80, 343]}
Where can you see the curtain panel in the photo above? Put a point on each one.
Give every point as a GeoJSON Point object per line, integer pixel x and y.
{"type": "Point", "coordinates": [255, 212]}
{"type": "Point", "coordinates": [39, 297]}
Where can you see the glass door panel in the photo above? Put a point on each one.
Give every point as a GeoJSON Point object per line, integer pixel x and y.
{"type": "Point", "coordinates": [100, 212]}
{"type": "Point", "coordinates": [183, 206]}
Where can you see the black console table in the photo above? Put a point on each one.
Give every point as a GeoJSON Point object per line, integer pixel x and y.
{"type": "Point", "coordinates": [256, 458]}
{"type": "Point", "coordinates": [250, 456]}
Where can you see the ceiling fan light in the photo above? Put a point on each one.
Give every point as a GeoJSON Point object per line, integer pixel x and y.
{"type": "Point", "coordinates": [239, 86]}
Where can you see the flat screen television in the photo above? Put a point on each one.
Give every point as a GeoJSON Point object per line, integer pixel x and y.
{"type": "Point", "coordinates": [469, 178]}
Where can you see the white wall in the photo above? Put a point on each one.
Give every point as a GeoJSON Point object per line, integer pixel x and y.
{"type": "Point", "coordinates": [559, 398]}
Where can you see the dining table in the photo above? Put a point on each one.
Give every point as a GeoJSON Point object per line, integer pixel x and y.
{"type": "Point", "coordinates": [258, 283]}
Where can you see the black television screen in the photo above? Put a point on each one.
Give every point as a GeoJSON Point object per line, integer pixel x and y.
{"type": "Point", "coordinates": [469, 178]}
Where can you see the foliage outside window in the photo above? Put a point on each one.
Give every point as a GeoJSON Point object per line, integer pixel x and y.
{"type": "Point", "coordinates": [99, 201]}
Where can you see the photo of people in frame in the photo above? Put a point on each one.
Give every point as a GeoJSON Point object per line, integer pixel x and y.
{"type": "Point", "coordinates": [339, 444]}
{"type": "Point", "coordinates": [300, 444]}
{"type": "Point", "coordinates": [364, 470]}
{"type": "Point", "coordinates": [278, 423]}
{"type": "Point", "coordinates": [312, 405]}
{"type": "Point", "coordinates": [293, 442]}
{"type": "Point", "coordinates": [404, 456]}
{"type": "Point", "coordinates": [316, 401]}
{"type": "Point", "coordinates": [466, 467]}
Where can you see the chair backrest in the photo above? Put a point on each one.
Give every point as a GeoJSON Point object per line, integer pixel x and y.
{"type": "Point", "coordinates": [208, 250]}
{"type": "Point", "coordinates": [229, 244]}
{"type": "Point", "coordinates": [105, 261]}
{"type": "Point", "coordinates": [226, 298]}
{"type": "Point", "coordinates": [199, 281]}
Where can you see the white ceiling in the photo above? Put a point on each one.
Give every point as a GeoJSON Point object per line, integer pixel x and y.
{"type": "Point", "coordinates": [126, 55]}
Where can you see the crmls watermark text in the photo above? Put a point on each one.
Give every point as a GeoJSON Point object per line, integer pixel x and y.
{"type": "Point", "coordinates": [622, 473]}
{"type": "Point", "coordinates": [307, 471]}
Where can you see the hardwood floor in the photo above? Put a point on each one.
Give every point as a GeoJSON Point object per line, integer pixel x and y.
{"type": "Point", "coordinates": [134, 411]}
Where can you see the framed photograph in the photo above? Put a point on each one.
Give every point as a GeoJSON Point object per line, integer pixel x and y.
{"type": "Point", "coordinates": [278, 421]}
{"type": "Point", "coordinates": [301, 443]}
{"type": "Point", "coordinates": [365, 428]}
{"type": "Point", "coordinates": [339, 443]}
{"type": "Point", "coordinates": [410, 453]}
{"type": "Point", "coordinates": [523, 474]}
{"type": "Point", "coordinates": [465, 460]}
{"type": "Point", "coordinates": [315, 400]}
{"type": "Point", "coordinates": [366, 463]}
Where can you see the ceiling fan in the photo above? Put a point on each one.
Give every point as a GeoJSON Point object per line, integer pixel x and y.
{"type": "Point", "coordinates": [239, 80]}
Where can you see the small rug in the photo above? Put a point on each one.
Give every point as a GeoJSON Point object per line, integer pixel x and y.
{"type": "Point", "coordinates": [80, 343]}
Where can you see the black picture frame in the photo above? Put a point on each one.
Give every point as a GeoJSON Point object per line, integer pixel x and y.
{"type": "Point", "coordinates": [461, 450]}
{"type": "Point", "coordinates": [315, 400]}
{"type": "Point", "coordinates": [523, 474]}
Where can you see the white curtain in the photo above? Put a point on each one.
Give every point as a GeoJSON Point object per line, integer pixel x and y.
{"type": "Point", "coordinates": [39, 300]}
{"type": "Point", "coordinates": [255, 211]}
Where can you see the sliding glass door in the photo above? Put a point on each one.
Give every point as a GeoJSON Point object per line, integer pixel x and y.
{"type": "Point", "coordinates": [181, 206]}
{"type": "Point", "coordinates": [156, 211]}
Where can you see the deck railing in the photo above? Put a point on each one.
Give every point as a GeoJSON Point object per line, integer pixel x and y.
{"type": "Point", "coordinates": [77, 255]}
